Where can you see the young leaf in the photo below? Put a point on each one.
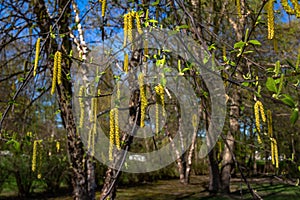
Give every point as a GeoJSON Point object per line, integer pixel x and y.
{"type": "Point", "coordinates": [271, 85]}
{"type": "Point", "coordinates": [294, 116]}
{"type": "Point", "coordinates": [254, 42]}
{"type": "Point", "coordinates": [239, 44]}
{"type": "Point", "coordinates": [288, 100]}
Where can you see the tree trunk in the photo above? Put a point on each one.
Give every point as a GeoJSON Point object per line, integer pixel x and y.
{"type": "Point", "coordinates": [214, 178]}
{"type": "Point", "coordinates": [64, 92]}
{"type": "Point", "coordinates": [227, 163]}
{"type": "Point", "coordinates": [234, 111]}
{"type": "Point", "coordinates": [190, 157]}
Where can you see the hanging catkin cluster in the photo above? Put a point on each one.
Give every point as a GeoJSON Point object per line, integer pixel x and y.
{"type": "Point", "coordinates": [160, 92]}
{"type": "Point", "coordinates": [289, 9]}
{"type": "Point", "coordinates": [114, 135]}
{"type": "Point", "coordinates": [144, 101]}
{"type": "Point", "coordinates": [128, 25]}
{"type": "Point", "coordinates": [126, 62]}
{"type": "Point", "coordinates": [274, 148]}
{"type": "Point", "coordinates": [35, 154]}
{"type": "Point", "coordinates": [37, 52]}
{"type": "Point", "coordinates": [160, 98]}
{"type": "Point", "coordinates": [270, 12]}
{"type": "Point", "coordinates": [258, 107]}
{"type": "Point", "coordinates": [238, 7]}
{"type": "Point", "coordinates": [56, 71]}
{"type": "Point", "coordinates": [103, 7]}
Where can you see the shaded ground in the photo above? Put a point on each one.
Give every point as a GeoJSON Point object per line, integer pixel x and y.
{"type": "Point", "coordinates": [268, 188]}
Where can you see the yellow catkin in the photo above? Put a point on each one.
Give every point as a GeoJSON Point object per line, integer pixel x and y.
{"type": "Point", "coordinates": [125, 29]}
{"type": "Point", "coordinates": [111, 134]}
{"type": "Point", "coordinates": [258, 107]}
{"type": "Point", "coordinates": [259, 138]}
{"type": "Point", "coordinates": [296, 7]}
{"type": "Point", "coordinates": [118, 93]}
{"type": "Point", "coordinates": [54, 77]}
{"type": "Point", "coordinates": [117, 132]}
{"type": "Point", "coordinates": [129, 25]}
{"type": "Point", "coordinates": [287, 7]}
{"type": "Point", "coordinates": [272, 152]}
{"type": "Point", "coordinates": [138, 23]}
{"type": "Point", "coordinates": [143, 97]}
{"type": "Point", "coordinates": [103, 7]}
{"type": "Point", "coordinates": [256, 114]}
{"type": "Point", "coordinates": [276, 153]}
{"type": "Point", "coordinates": [160, 91]}
{"type": "Point", "coordinates": [57, 146]}
{"type": "Point", "coordinates": [126, 61]}
{"type": "Point", "coordinates": [81, 105]}
{"type": "Point", "coordinates": [262, 112]}
{"type": "Point", "coordinates": [58, 67]}
{"type": "Point", "coordinates": [270, 12]}
{"type": "Point", "coordinates": [37, 52]}
{"type": "Point", "coordinates": [34, 154]}
{"type": "Point", "coordinates": [238, 7]}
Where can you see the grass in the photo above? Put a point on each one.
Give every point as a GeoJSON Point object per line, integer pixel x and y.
{"type": "Point", "coordinates": [268, 188]}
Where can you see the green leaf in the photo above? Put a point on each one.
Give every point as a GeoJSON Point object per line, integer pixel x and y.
{"type": "Point", "coordinates": [239, 44]}
{"type": "Point", "coordinates": [288, 100]}
{"type": "Point", "coordinates": [271, 85]}
{"type": "Point", "coordinates": [246, 84]}
{"type": "Point", "coordinates": [17, 146]}
{"type": "Point", "coordinates": [246, 52]}
{"type": "Point", "coordinates": [212, 47]}
{"type": "Point", "coordinates": [294, 116]}
{"type": "Point", "coordinates": [254, 42]}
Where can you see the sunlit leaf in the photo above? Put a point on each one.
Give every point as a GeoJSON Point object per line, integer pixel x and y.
{"type": "Point", "coordinates": [254, 42]}
{"type": "Point", "coordinates": [271, 85]}
{"type": "Point", "coordinates": [239, 44]}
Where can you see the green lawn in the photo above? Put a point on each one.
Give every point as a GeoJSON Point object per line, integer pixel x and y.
{"type": "Point", "coordinates": [172, 189]}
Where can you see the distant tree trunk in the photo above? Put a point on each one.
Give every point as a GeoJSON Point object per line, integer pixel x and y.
{"type": "Point", "coordinates": [179, 158]}
{"type": "Point", "coordinates": [190, 157]}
